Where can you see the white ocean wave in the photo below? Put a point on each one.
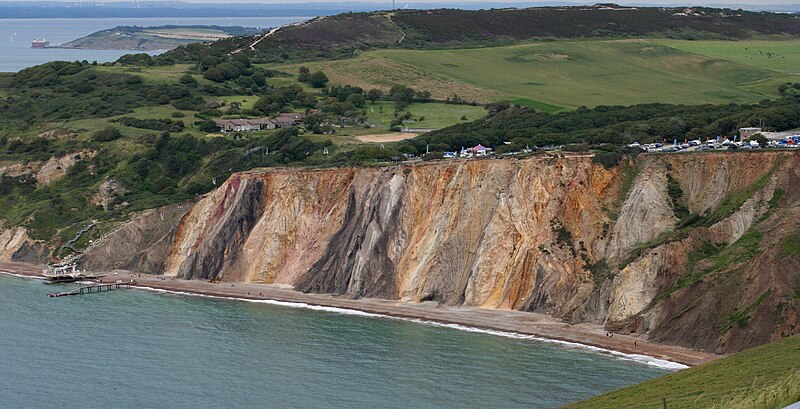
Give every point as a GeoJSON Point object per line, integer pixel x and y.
{"type": "Point", "coordinates": [648, 360]}
{"type": "Point", "coordinates": [19, 275]}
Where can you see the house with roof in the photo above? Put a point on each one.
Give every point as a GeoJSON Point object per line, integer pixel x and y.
{"type": "Point", "coordinates": [286, 119]}
{"type": "Point", "coordinates": [478, 150]}
{"type": "Point", "coordinates": [245, 125]}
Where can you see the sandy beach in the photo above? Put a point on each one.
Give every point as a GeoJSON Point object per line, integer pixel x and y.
{"type": "Point", "coordinates": [525, 323]}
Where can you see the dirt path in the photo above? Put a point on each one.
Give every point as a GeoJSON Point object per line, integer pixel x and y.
{"type": "Point", "coordinates": [386, 137]}
{"type": "Point", "coordinates": [527, 323]}
{"type": "Point", "coordinates": [271, 32]}
{"type": "Point", "coordinates": [403, 37]}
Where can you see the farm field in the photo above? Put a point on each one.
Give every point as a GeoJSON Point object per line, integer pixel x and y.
{"type": "Point", "coordinates": [550, 76]}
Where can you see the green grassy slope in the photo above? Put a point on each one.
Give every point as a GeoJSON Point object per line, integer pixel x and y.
{"type": "Point", "coordinates": [575, 73]}
{"type": "Point", "coordinates": [346, 35]}
{"type": "Point", "coordinates": [776, 55]}
{"type": "Point", "coordinates": [764, 377]}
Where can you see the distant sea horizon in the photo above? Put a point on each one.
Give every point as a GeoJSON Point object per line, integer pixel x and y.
{"type": "Point", "coordinates": [203, 8]}
{"type": "Point", "coordinates": [16, 36]}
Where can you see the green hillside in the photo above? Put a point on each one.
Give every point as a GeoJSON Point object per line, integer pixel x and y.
{"type": "Point", "coordinates": [555, 74]}
{"type": "Point", "coordinates": [763, 377]}
{"type": "Point", "coordinates": [590, 73]}
{"type": "Point", "coordinates": [348, 34]}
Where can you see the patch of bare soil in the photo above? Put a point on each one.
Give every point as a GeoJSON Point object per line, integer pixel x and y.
{"type": "Point", "coordinates": [386, 137]}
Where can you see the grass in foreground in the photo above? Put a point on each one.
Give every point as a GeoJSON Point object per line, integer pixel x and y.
{"type": "Point", "coordinates": [763, 377]}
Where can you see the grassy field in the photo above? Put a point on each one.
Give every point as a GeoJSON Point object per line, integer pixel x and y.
{"type": "Point", "coordinates": [776, 55]}
{"type": "Point", "coordinates": [163, 74]}
{"type": "Point", "coordinates": [763, 377]}
{"type": "Point", "coordinates": [435, 115]}
{"type": "Point", "coordinates": [593, 72]}
{"type": "Point", "coordinates": [779, 57]}
{"type": "Point", "coordinates": [152, 112]}
{"type": "Point", "coordinates": [373, 71]}
{"type": "Point", "coordinates": [247, 101]}
{"type": "Point", "coordinates": [552, 75]}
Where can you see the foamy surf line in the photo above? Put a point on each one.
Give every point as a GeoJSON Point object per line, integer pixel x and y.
{"type": "Point", "coordinates": [644, 359]}
{"type": "Point", "coordinates": [19, 275]}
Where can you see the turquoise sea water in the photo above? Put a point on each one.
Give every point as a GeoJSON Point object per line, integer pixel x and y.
{"type": "Point", "coordinates": [140, 349]}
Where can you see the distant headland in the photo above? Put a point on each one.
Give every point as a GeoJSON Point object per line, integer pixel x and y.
{"type": "Point", "coordinates": [150, 38]}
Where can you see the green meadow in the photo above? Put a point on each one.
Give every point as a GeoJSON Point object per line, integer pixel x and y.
{"type": "Point", "coordinates": [424, 115]}
{"type": "Point", "coordinates": [556, 75]}
{"type": "Point", "coordinates": [163, 74]}
{"type": "Point", "coordinates": [775, 55]}
{"type": "Point", "coordinates": [591, 73]}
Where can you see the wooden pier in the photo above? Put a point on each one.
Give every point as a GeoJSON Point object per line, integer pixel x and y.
{"type": "Point", "coordinates": [96, 288]}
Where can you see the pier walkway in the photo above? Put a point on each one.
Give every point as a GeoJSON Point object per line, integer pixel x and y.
{"type": "Point", "coordinates": [96, 288]}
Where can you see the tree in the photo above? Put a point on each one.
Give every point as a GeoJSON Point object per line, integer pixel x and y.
{"type": "Point", "coordinates": [318, 79]}
{"type": "Point", "coordinates": [187, 79]}
{"type": "Point", "coordinates": [498, 106]}
{"type": "Point", "coordinates": [214, 74]}
{"type": "Point", "coordinates": [356, 99]}
{"type": "Point", "coordinates": [761, 139]}
{"type": "Point", "coordinates": [401, 95]}
{"type": "Point", "coordinates": [258, 78]}
{"type": "Point", "coordinates": [207, 126]}
{"type": "Point", "coordinates": [303, 74]}
{"type": "Point", "coordinates": [423, 95]}
{"type": "Point", "coordinates": [107, 134]}
{"type": "Point", "coordinates": [374, 94]}
{"type": "Point", "coordinates": [268, 104]}
{"type": "Point", "coordinates": [396, 124]}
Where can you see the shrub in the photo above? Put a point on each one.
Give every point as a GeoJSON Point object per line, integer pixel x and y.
{"type": "Point", "coordinates": [187, 79]}
{"type": "Point", "coordinates": [165, 124]}
{"type": "Point", "coordinates": [318, 79]}
{"type": "Point", "coordinates": [107, 134]}
{"type": "Point", "coordinates": [607, 159]}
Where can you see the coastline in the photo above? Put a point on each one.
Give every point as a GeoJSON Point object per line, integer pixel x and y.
{"type": "Point", "coordinates": [529, 325]}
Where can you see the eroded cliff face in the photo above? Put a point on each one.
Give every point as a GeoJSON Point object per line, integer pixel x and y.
{"type": "Point", "coordinates": [560, 235]}
{"type": "Point", "coordinates": [15, 245]}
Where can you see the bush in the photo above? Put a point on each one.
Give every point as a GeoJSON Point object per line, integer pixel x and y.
{"type": "Point", "coordinates": [318, 79]}
{"type": "Point", "coordinates": [607, 159]}
{"type": "Point", "coordinates": [187, 79]}
{"type": "Point", "coordinates": [165, 124]}
{"type": "Point", "coordinates": [107, 135]}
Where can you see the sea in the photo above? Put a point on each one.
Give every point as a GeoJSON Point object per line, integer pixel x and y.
{"type": "Point", "coordinates": [148, 349]}
{"type": "Point", "coordinates": [16, 36]}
